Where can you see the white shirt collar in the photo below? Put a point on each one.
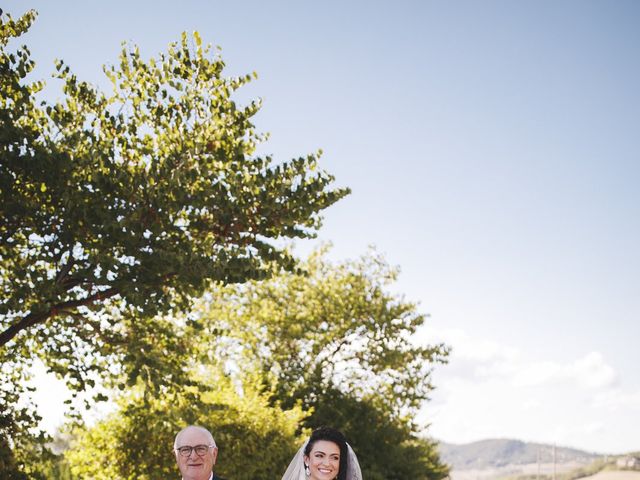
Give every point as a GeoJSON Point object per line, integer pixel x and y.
{"type": "Point", "coordinates": [210, 476]}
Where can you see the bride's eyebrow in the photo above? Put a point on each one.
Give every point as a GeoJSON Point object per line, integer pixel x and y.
{"type": "Point", "coordinates": [337, 455]}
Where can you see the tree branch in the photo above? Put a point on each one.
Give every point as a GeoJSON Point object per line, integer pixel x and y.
{"type": "Point", "coordinates": [36, 318]}
{"type": "Point", "coordinates": [64, 271]}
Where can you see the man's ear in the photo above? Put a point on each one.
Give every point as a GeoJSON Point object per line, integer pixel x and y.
{"type": "Point", "coordinates": [215, 454]}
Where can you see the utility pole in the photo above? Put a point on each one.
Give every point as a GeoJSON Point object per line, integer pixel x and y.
{"type": "Point", "coordinates": [554, 461]}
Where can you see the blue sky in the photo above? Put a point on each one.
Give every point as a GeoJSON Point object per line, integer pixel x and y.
{"type": "Point", "coordinates": [492, 150]}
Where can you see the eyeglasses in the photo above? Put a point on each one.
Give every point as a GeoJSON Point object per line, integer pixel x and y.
{"type": "Point", "coordinates": [200, 450]}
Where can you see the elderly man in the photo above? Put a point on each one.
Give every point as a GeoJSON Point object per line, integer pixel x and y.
{"type": "Point", "coordinates": [196, 453]}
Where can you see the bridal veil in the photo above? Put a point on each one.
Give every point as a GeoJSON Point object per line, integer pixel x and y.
{"type": "Point", "coordinates": [295, 471]}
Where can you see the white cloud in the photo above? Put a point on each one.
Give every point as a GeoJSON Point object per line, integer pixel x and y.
{"type": "Point", "coordinates": [594, 428]}
{"type": "Point", "coordinates": [489, 390]}
{"type": "Point", "coordinates": [536, 373]}
{"type": "Point", "coordinates": [617, 399]}
{"type": "Point", "coordinates": [590, 371]}
{"type": "Point", "coordinates": [480, 350]}
{"type": "Point", "coordinates": [480, 358]}
{"type": "Point", "coordinates": [531, 404]}
{"type": "Point", "coordinates": [593, 371]}
{"type": "Point", "coordinates": [472, 357]}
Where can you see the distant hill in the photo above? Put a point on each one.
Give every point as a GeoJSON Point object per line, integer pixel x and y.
{"type": "Point", "coordinates": [498, 453]}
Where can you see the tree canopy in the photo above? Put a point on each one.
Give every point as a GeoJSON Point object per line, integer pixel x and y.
{"type": "Point", "coordinates": [143, 195]}
{"type": "Point", "coordinates": [119, 206]}
{"type": "Point", "coordinates": [329, 325]}
{"type": "Point", "coordinates": [141, 249]}
{"type": "Point", "coordinates": [335, 339]}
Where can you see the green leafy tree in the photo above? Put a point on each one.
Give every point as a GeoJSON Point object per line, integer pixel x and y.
{"type": "Point", "coordinates": [335, 340]}
{"type": "Point", "coordinates": [328, 326]}
{"type": "Point", "coordinates": [143, 195]}
{"type": "Point", "coordinates": [20, 440]}
{"type": "Point", "coordinates": [8, 463]}
{"type": "Point", "coordinates": [19, 130]}
{"type": "Point", "coordinates": [117, 207]}
{"type": "Point", "coordinates": [255, 439]}
{"type": "Point", "coordinates": [54, 465]}
{"type": "Point", "coordinates": [387, 447]}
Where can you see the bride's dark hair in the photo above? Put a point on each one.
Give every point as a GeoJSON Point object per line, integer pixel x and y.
{"type": "Point", "coordinates": [331, 435]}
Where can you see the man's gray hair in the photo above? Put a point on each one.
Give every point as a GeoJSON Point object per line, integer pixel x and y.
{"type": "Point", "coordinates": [196, 427]}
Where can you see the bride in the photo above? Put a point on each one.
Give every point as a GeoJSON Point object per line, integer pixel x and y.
{"type": "Point", "coordinates": [325, 456]}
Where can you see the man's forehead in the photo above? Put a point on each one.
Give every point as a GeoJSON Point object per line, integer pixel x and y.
{"type": "Point", "coordinates": [193, 436]}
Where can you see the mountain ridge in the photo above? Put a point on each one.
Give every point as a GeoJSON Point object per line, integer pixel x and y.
{"type": "Point", "coordinates": [501, 452]}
